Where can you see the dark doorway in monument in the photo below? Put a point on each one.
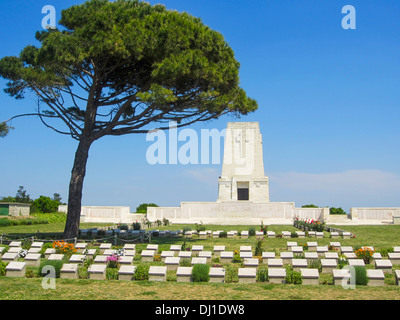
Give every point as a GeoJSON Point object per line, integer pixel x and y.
{"type": "Point", "coordinates": [243, 194]}
{"type": "Point", "coordinates": [243, 191]}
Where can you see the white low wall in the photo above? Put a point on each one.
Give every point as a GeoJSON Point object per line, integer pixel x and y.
{"type": "Point", "coordinates": [106, 214]}
{"type": "Point", "coordinates": [373, 215]}
{"type": "Point", "coordinates": [319, 214]}
{"type": "Point", "coordinates": [234, 213]}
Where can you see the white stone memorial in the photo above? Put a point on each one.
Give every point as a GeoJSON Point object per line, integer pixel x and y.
{"type": "Point", "coordinates": [310, 276]}
{"type": "Point", "coordinates": [226, 256]}
{"type": "Point", "coordinates": [217, 274]}
{"type": "Point", "coordinates": [184, 274]}
{"type": "Point", "coordinates": [384, 265]}
{"type": "Point", "coordinates": [9, 256]}
{"type": "Point", "coordinates": [104, 246]}
{"type": "Point", "coordinates": [100, 259]}
{"type": "Point", "coordinates": [394, 257]}
{"type": "Point", "coordinates": [126, 272]}
{"type": "Point", "coordinates": [125, 260]}
{"type": "Point", "coordinates": [290, 244]}
{"type": "Point", "coordinates": [80, 247]}
{"type": "Point", "coordinates": [32, 259]}
{"type": "Point", "coordinates": [147, 255]}
{"type": "Point", "coordinates": [286, 257]}
{"type": "Point", "coordinates": [298, 264]}
{"type": "Point", "coordinates": [312, 245]}
{"type": "Point", "coordinates": [218, 249]}
{"type": "Point", "coordinates": [376, 277]}
{"type": "Point", "coordinates": [277, 275]}
{"type": "Point", "coordinates": [311, 256]}
{"type": "Point", "coordinates": [158, 273]}
{"type": "Point", "coordinates": [166, 254]}
{"type": "Point", "coordinates": [247, 275]}
{"type": "Point", "coordinates": [69, 271]}
{"type": "Point", "coordinates": [197, 260]}
{"type": "Point", "coordinates": [77, 258]}
{"type": "Point", "coordinates": [172, 263]}
{"type": "Point", "coordinates": [341, 276]}
{"type": "Point", "coordinates": [16, 269]}
{"type": "Point", "coordinates": [250, 263]}
{"type": "Point", "coordinates": [97, 271]}
{"type": "Point", "coordinates": [196, 249]}
{"type": "Point", "coordinates": [328, 265]}
{"type": "Point", "coordinates": [274, 263]}
{"type": "Point", "coordinates": [267, 255]}
{"type": "Point", "coordinates": [270, 234]}
{"type": "Point", "coordinates": [205, 254]}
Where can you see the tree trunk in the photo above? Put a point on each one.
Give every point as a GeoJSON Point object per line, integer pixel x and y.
{"type": "Point", "coordinates": [75, 189]}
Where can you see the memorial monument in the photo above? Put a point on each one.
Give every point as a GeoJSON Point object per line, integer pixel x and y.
{"type": "Point", "coordinates": [243, 188]}
{"type": "Point", "coordinates": [243, 195]}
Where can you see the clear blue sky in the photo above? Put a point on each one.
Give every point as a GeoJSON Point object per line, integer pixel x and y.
{"type": "Point", "coordinates": [329, 109]}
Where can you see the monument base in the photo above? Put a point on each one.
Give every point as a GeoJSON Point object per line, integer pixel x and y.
{"type": "Point", "coordinates": [235, 213]}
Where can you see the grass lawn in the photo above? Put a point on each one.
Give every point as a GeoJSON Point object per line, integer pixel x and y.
{"type": "Point", "coordinates": [380, 237]}
{"type": "Point", "coordinates": [26, 289]}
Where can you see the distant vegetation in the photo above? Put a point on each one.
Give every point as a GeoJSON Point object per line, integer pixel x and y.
{"type": "Point", "coordinates": [43, 204]}
{"type": "Point", "coordinates": [332, 210]}
{"type": "Point", "coordinates": [143, 207]}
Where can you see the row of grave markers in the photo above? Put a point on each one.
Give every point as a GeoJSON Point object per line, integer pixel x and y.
{"type": "Point", "coordinates": [172, 257]}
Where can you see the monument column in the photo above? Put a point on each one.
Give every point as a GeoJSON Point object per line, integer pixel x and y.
{"type": "Point", "coordinates": [243, 177]}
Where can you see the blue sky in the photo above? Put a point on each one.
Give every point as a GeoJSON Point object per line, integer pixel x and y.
{"type": "Point", "coordinates": [329, 109]}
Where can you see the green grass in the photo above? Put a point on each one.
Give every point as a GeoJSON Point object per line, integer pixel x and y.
{"type": "Point", "coordinates": [51, 227]}
{"type": "Point", "coordinates": [31, 289]}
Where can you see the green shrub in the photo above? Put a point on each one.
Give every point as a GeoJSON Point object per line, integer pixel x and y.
{"type": "Point", "coordinates": [183, 246]}
{"type": "Point", "coordinates": [223, 234]}
{"type": "Point", "coordinates": [2, 268]}
{"type": "Point", "coordinates": [186, 228]}
{"type": "Point", "coordinates": [252, 231]}
{"type": "Point", "coordinates": [315, 264]}
{"type": "Point", "coordinates": [259, 248]}
{"type": "Point", "coordinates": [361, 275]}
{"type": "Point", "coordinates": [200, 273]}
{"type": "Point", "coordinates": [136, 225]}
{"type": "Point", "coordinates": [83, 272]}
{"type": "Point", "coordinates": [124, 226]}
{"type": "Point", "coordinates": [293, 277]}
{"type": "Point", "coordinates": [45, 246]}
{"type": "Point", "coordinates": [262, 274]}
{"type": "Point", "coordinates": [200, 227]}
{"type": "Point", "coordinates": [216, 260]}
{"type": "Point", "coordinates": [57, 265]}
{"type": "Point", "coordinates": [342, 261]}
{"type": "Point", "coordinates": [111, 274]}
{"type": "Point", "coordinates": [294, 235]}
{"type": "Point", "coordinates": [141, 272]}
{"type": "Point", "coordinates": [231, 273]}
{"type": "Point", "coordinates": [236, 257]}
{"type": "Point", "coordinates": [384, 251]}
{"type": "Point", "coordinates": [185, 262]}
{"type": "Point", "coordinates": [5, 222]}
{"type": "Point", "coordinates": [88, 262]}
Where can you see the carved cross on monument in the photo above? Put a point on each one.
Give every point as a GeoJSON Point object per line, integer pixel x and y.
{"type": "Point", "coordinates": [241, 140]}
